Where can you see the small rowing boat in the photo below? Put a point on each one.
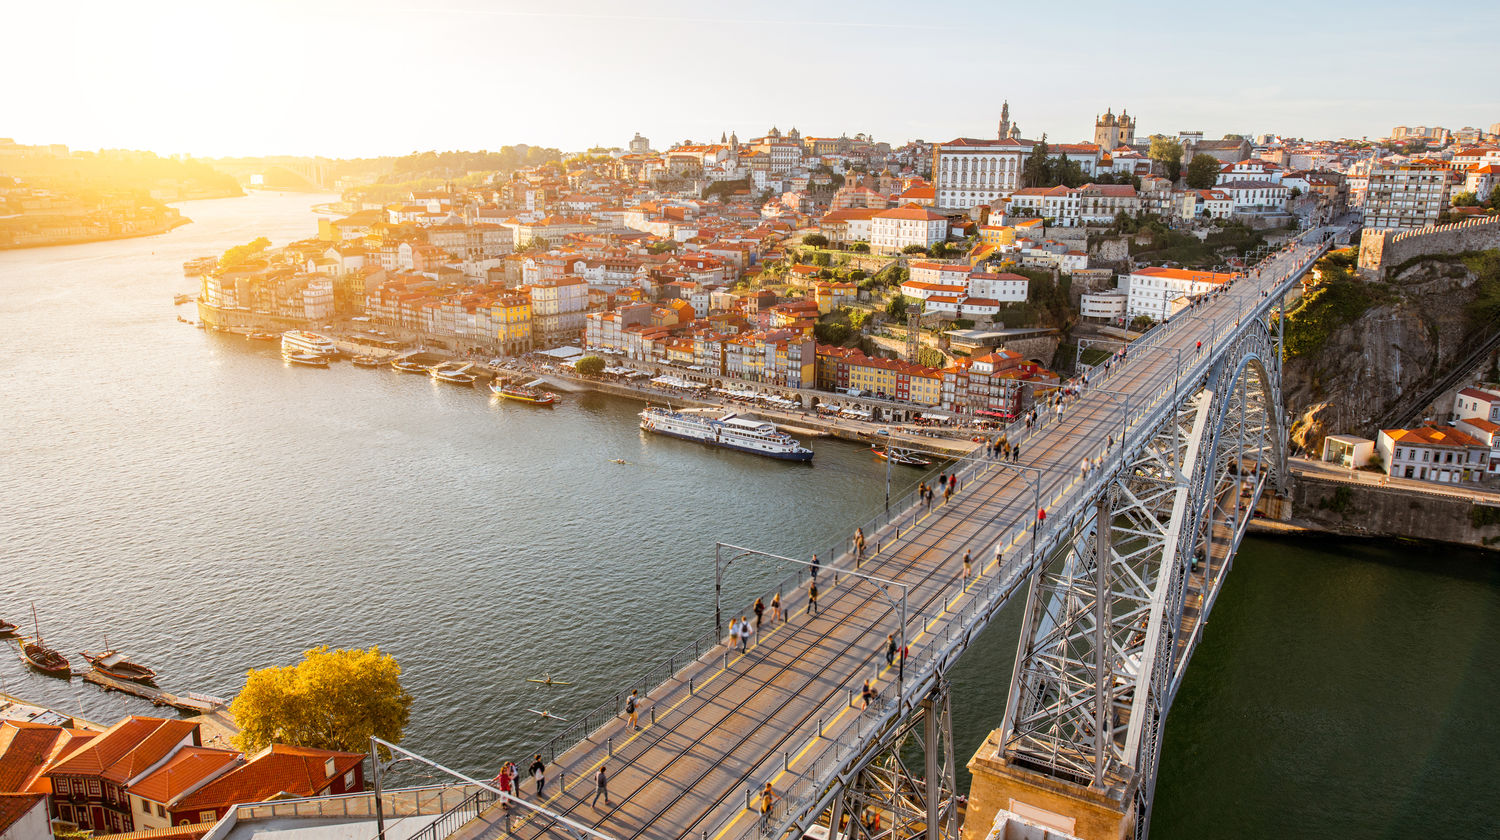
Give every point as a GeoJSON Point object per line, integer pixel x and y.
{"type": "Point", "coordinates": [113, 663]}
{"type": "Point", "coordinates": [900, 456]}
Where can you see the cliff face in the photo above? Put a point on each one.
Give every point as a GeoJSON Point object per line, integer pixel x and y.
{"type": "Point", "coordinates": [1413, 331]}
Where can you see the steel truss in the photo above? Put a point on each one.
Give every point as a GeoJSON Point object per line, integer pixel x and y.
{"type": "Point", "coordinates": [905, 799]}
{"type": "Point", "coordinates": [1117, 607]}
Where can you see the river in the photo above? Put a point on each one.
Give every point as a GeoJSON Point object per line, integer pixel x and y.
{"type": "Point", "coordinates": [211, 510]}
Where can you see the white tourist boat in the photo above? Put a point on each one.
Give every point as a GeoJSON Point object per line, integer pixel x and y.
{"type": "Point", "coordinates": [718, 428]}
{"type": "Point", "coordinates": [304, 343]}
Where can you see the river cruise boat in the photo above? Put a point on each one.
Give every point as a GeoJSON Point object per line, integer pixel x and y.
{"type": "Point", "coordinates": [900, 456]}
{"type": "Point", "coordinates": [717, 428]}
{"type": "Point", "coordinates": [529, 393]}
{"type": "Point", "coordinates": [260, 336]}
{"type": "Point", "coordinates": [302, 341]}
{"type": "Point", "coordinates": [112, 663]}
{"type": "Point", "coordinates": [452, 373]}
{"type": "Point", "coordinates": [305, 359]}
{"type": "Point", "coordinates": [366, 361]}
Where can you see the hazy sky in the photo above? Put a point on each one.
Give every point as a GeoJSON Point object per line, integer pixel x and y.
{"type": "Point", "coordinates": [370, 77]}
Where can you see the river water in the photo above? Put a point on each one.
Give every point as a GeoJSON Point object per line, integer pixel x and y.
{"type": "Point", "coordinates": [211, 510]}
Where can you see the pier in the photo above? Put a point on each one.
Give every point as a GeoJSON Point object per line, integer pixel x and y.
{"type": "Point", "coordinates": [193, 703]}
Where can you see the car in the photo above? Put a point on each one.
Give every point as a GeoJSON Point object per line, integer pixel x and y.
{"type": "Point", "coordinates": [882, 431]}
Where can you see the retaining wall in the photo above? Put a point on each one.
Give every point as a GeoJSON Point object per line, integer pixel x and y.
{"type": "Point", "coordinates": [1373, 511]}
{"type": "Point", "coordinates": [1381, 249]}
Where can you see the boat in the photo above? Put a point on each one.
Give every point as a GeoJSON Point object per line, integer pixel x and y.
{"type": "Point", "coordinates": [179, 300]}
{"type": "Point", "coordinates": [304, 342]}
{"type": "Point", "coordinates": [260, 336]}
{"type": "Point", "coordinates": [453, 372]}
{"type": "Point", "coordinates": [716, 427]}
{"type": "Point", "coordinates": [406, 365]}
{"type": "Point", "coordinates": [113, 663]}
{"type": "Point", "coordinates": [366, 361]}
{"type": "Point", "coordinates": [900, 456]}
{"type": "Point", "coordinates": [45, 660]}
{"type": "Point", "coordinates": [306, 359]}
{"type": "Point", "coordinates": [6, 628]}
{"type": "Point", "coordinates": [528, 393]}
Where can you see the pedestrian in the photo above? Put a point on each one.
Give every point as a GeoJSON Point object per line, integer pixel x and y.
{"type": "Point", "coordinates": [741, 632]}
{"type": "Point", "coordinates": [867, 694]}
{"type": "Point", "coordinates": [767, 799]}
{"type": "Point", "coordinates": [503, 782]}
{"type": "Point", "coordinates": [859, 544]}
{"type": "Point", "coordinates": [1015, 454]}
{"type": "Point", "coordinates": [539, 773]}
{"type": "Point", "coordinates": [890, 648]}
{"type": "Point", "coordinates": [601, 787]}
{"type": "Point", "coordinates": [760, 612]}
{"type": "Point", "coordinates": [776, 616]}
{"type": "Point", "coordinates": [953, 482]}
{"type": "Point", "coordinates": [812, 598]}
{"type": "Point", "coordinates": [1041, 514]}
{"type": "Point", "coordinates": [967, 569]}
{"type": "Point", "coordinates": [631, 709]}
{"type": "Point", "coordinates": [947, 492]}
{"type": "Point", "coordinates": [999, 554]}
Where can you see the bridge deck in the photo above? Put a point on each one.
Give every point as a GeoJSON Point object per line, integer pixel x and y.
{"type": "Point", "coordinates": [724, 725]}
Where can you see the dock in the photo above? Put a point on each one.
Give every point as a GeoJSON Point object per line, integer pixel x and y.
{"type": "Point", "coordinates": [193, 703]}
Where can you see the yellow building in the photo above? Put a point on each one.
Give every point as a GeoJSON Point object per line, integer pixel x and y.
{"type": "Point", "coordinates": [511, 317]}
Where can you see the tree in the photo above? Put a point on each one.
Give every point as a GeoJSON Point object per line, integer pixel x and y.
{"type": "Point", "coordinates": [1168, 152]}
{"type": "Point", "coordinates": [860, 247]}
{"type": "Point", "coordinates": [938, 249]}
{"type": "Point", "coordinates": [815, 240]}
{"type": "Point", "coordinates": [589, 366]}
{"type": "Point", "coordinates": [896, 308]}
{"type": "Point", "coordinates": [1202, 171]}
{"type": "Point", "coordinates": [331, 700]}
{"type": "Point", "coordinates": [1495, 197]}
{"type": "Point", "coordinates": [1465, 199]}
{"type": "Point", "coordinates": [1037, 171]}
{"type": "Point", "coordinates": [914, 249]}
{"type": "Point", "coordinates": [240, 253]}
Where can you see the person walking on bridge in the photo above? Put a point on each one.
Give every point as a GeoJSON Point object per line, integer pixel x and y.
{"type": "Point", "coordinates": [538, 771]}
{"type": "Point", "coordinates": [890, 649]}
{"type": "Point", "coordinates": [859, 544]}
{"type": "Point", "coordinates": [632, 709]}
{"type": "Point", "coordinates": [760, 613]}
{"type": "Point", "coordinates": [601, 787]}
{"type": "Point", "coordinates": [968, 568]}
{"type": "Point", "coordinates": [767, 800]}
{"type": "Point", "coordinates": [812, 598]}
{"type": "Point", "coordinates": [1015, 454]}
{"type": "Point", "coordinates": [814, 568]}
{"type": "Point", "coordinates": [776, 616]}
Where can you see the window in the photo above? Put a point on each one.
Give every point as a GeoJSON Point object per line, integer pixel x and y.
{"type": "Point", "coordinates": [208, 816]}
{"type": "Point", "coordinates": [161, 810]}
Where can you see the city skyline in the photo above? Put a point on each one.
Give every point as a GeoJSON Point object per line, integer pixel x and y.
{"type": "Point", "coordinates": [359, 80]}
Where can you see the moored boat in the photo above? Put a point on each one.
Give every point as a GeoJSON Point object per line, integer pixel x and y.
{"type": "Point", "coordinates": [6, 628]}
{"type": "Point", "coordinates": [260, 336]}
{"type": "Point", "coordinates": [179, 300]}
{"type": "Point", "coordinates": [528, 393]}
{"type": "Point", "coordinates": [900, 456]}
{"type": "Point", "coordinates": [306, 359]}
{"type": "Point", "coordinates": [307, 343]}
{"type": "Point", "coordinates": [366, 361]}
{"type": "Point", "coordinates": [406, 365]}
{"type": "Point", "coordinates": [453, 373]}
{"type": "Point", "coordinates": [113, 663]}
{"type": "Point", "coordinates": [719, 428]}
{"type": "Point", "coordinates": [45, 660]}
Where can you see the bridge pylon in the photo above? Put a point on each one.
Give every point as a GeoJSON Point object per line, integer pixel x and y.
{"type": "Point", "coordinates": [1120, 600]}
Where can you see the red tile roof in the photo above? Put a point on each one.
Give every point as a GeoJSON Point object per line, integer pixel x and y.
{"type": "Point", "coordinates": [278, 768]}
{"type": "Point", "coordinates": [1431, 436]}
{"type": "Point", "coordinates": [14, 806]}
{"type": "Point", "coordinates": [25, 750]}
{"type": "Point", "coordinates": [910, 212]}
{"type": "Point", "coordinates": [191, 766]}
{"type": "Point", "coordinates": [115, 743]}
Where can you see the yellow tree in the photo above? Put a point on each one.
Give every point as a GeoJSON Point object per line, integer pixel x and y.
{"type": "Point", "coordinates": [332, 700]}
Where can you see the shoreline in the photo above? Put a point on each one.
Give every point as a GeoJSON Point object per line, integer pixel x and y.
{"type": "Point", "coordinates": [107, 238]}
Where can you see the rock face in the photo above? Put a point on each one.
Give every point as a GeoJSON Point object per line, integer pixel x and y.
{"type": "Point", "coordinates": [1387, 356]}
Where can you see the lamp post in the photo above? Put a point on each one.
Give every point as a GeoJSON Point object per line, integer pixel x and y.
{"type": "Point", "coordinates": [1036, 497]}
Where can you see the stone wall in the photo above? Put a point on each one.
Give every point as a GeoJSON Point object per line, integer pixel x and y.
{"type": "Point", "coordinates": [1379, 250]}
{"type": "Point", "coordinates": [1372, 511]}
{"type": "Point", "coordinates": [1114, 249]}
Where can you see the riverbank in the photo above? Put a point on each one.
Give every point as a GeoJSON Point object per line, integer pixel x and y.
{"type": "Point", "coordinates": [84, 240]}
{"type": "Point", "coordinates": [1320, 504]}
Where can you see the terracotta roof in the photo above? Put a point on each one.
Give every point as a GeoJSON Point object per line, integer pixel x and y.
{"type": "Point", "coordinates": [13, 806]}
{"type": "Point", "coordinates": [1185, 274]}
{"type": "Point", "coordinates": [911, 212]}
{"type": "Point", "coordinates": [276, 769]}
{"type": "Point", "coordinates": [173, 832]}
{"type": "Point", "coordinates": [1432, 436]}
{"type": "Point", "coordinates": [1480, 394]}
{"type": "Point", "coordinates": [25, 749]}
{"type": "Point", "coordinates": [189, 767]}
{"type": "Point", "coordinates": [1481, 424]}
{"type": "Point", "coordinates": [125, 749]}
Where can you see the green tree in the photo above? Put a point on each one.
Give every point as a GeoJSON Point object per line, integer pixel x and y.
{"type": "Point", "coordinates": [896, 308]}
{"type": "Point", "coordinates": [938, 249]}
{"type": "Point", "coordinates": [1037, 170]}
{"type": "Point", "coordinates": [1168, 152]}
{"type": "Point", "coordinates": [589, 366]}
{"type": "Point", "coordinates": [914, 249]}
{"type": "Point", "coordinates": [331, 700]}
{"type": "Point", "coordinates": [240, 253]}
{"type": "Point", "coordinates": [831, 333]}
{"type": "Point", "coordinates": [1465, 199]}
{"type": "Point", "coordinates": [821, 259]}
{"type": "Point", "coordinates": [858, 318]}
{"type": "Point", "coordinates": [855, 275]}
{"type": "Point", "coordinates": [1202, 172]}
{"type": "Point", "coordinates": [1495, 197]}
{"type": "Point", "coordinates": [860, 247]}
{"type": "Point", "coordinates": [815, 240]}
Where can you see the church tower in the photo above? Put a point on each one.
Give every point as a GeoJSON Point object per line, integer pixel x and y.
{"type": "Point", "coordinates": [1127, 129]}
{"type": "Point", "coordinates": [1004, 131]}
{"type": "Point", "coordinates": [1107, 131]}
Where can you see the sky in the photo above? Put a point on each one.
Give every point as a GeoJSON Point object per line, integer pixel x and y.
{"type": "Point", "coordinates": [357, 78]}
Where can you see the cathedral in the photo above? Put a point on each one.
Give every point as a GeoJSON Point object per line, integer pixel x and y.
{"type": "Point", "coordinates": [1111, 132]}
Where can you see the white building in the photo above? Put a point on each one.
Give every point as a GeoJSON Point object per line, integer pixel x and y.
{"type": "Point", "coordinates": [1255, 196]}
{"type": "Point", "coordinates": [1446, 456]}
{"type": "Point", "coordinates": [1153, 292]}
{"type": "Point", "coordinates": [1406, 195]}
{"type": "Point", "coordinates": [893, 230]}
{"type": "Point", "coordinates": [1109, 305]}
{"type": "Point", "coordinates": [1060, 204]}
{"type": "Point", "coordinates": [1250, 170]}
{"type": "Point", "coordinates": [968, 172]}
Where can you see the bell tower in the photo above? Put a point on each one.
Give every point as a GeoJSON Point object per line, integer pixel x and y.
{"type": "Point", "coordinates": [1004, 131]}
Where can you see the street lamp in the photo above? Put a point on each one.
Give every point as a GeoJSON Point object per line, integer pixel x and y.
{"type": "Point", "coordinates": [1036, 508]}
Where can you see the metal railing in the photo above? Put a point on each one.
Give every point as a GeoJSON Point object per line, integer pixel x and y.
{"type": "Point", "coordinates": [458, 816]}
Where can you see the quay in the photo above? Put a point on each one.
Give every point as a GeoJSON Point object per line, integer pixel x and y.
{"type": "Point", "coordinates": [192, 703]}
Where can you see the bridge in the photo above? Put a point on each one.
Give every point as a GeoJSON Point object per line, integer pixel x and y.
{"type": "Point", "coordinates": [1117, 524]}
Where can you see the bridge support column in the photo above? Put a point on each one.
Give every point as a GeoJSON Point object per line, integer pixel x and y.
{"type": "Point", "coordinates": [1000, 789]}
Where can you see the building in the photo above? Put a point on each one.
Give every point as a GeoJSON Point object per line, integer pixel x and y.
{"type": "Point", "coordinates": [23, 816]}
{"type": "Point", "coordinates": [1406, 195]}
{"type": "Point", "coordinates": [557, 310]}
{"type": "Point", "coordinates": [1348, 450]}
{"type": "Point", "coordinates": [968, 172]}
{"type": "Point", "coordinates": [848, 370]}
{"type": "Point", "coordinates": [90, 784]}
{"type": "Point", "coordinates": [893, 230]}
{"type": "Point", "coordinates": [277, 770]}
{"type": "Point", "coordinates": [156, 799]}
{"type": "Point", "coordinates": [1107, 306]}
{"type": "Point", "coordinates": [1481, 403]}
{"type": "Point", "coordinates": [1157, 293]}
{"type": "Point", "coordinates": [1111, 132]}
{"type": "Point", "coordinates": [996, 385]}
{"type": "Point", "coordinates": [852, 225]}
{"type": "Point", "coordinates": [1427, 453]}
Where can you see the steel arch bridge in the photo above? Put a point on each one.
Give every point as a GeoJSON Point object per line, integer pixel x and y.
{"type": "Point", "coordinates": [1117, 526]}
